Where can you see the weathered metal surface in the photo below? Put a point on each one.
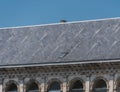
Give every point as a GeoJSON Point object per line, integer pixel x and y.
{"type": "Point", "coordinates": [65, 42]}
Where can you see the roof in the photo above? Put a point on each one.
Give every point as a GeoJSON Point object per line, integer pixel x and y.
{"type": "Point", "coordinates": [80, 41]}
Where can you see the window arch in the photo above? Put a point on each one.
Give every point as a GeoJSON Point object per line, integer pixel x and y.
{"type": "Point", "coordinates": [54, 87]}
{"type": "Point", "coordinates": [100, 86]}
{"type": "Point", "coordinates": [76, 86]}
{"type": "Point", "coordinates": [32, 87]}
{"type": "Point", "coordinates": [12, 87]}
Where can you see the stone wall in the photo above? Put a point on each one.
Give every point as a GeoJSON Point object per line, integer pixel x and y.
{"type": "Point", "coordinates": [66, 75]}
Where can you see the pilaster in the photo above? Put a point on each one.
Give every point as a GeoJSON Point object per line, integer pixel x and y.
{"type": "Point", "coordinates": [21, 86]}
{"type": "Point", "coordinates": [87, 84]}
{"type": "Point", "coordinates": [65, 84]}
{"type": "Point", "coordinates": [111, 83]}
{"type": "Point", "coordinates": [43, 85]}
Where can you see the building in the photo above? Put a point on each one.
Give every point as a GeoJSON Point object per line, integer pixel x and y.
{"type": "Point", "coordinates": [65, 57]}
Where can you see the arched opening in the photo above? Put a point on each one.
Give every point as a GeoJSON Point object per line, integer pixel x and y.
{"type": "Point", "coordinates": [12, 88]}
{"type": "Point", "coordinates": [100, 86]}
{"type": "Point", "coordinates": [33, 87]}
{"type": "Point", "coordinates": [76, 86]}
{"type": "Point", "coordinates": [54, 87]}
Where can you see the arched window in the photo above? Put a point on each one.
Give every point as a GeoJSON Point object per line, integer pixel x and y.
{"type": "Point", "coordinates": [100, 86]}
{"type": "Point", "coordinates": [77, 86]}
{"type": "Point", "coordinates": [33, 87]}
{"type": "Point", "coordinates": [12, 88]}
{"type": "Point", "coordinates": [54, 87]}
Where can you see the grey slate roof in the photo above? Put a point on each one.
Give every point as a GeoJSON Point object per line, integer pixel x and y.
{"type": "Point", "coordinates": [59, 43]}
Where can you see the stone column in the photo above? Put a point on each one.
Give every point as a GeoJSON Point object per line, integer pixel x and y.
{"type": "Point", "coordinates": [87, 84]}
{"type": "Point", "coordinates": [1, 85]}
{"type": "Point", "coordinates": [65, 84]}
{"type": "Point", "coordinates": [21, 86]}
{"type": "Point", "coordinates": [43, 85]}
{"type": "Point", "coordinates": [64, 88]}
{"type": "Point", "coordinates": [111, 83]}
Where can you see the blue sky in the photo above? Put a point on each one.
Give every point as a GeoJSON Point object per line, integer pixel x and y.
{"type": "Point", "coordinates": [34, 12]}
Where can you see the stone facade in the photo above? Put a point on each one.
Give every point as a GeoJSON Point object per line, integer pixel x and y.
{"type": "Point", "coordinates": [89, 75]}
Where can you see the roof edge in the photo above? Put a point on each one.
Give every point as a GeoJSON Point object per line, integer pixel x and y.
{"type": "Point", "coordinates": [59, 63]}
{"type": "Point", "coordinates": [91, 20]}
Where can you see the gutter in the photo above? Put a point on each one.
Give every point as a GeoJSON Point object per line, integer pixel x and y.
{"type": "Point", "coordinates": [59, 63]}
